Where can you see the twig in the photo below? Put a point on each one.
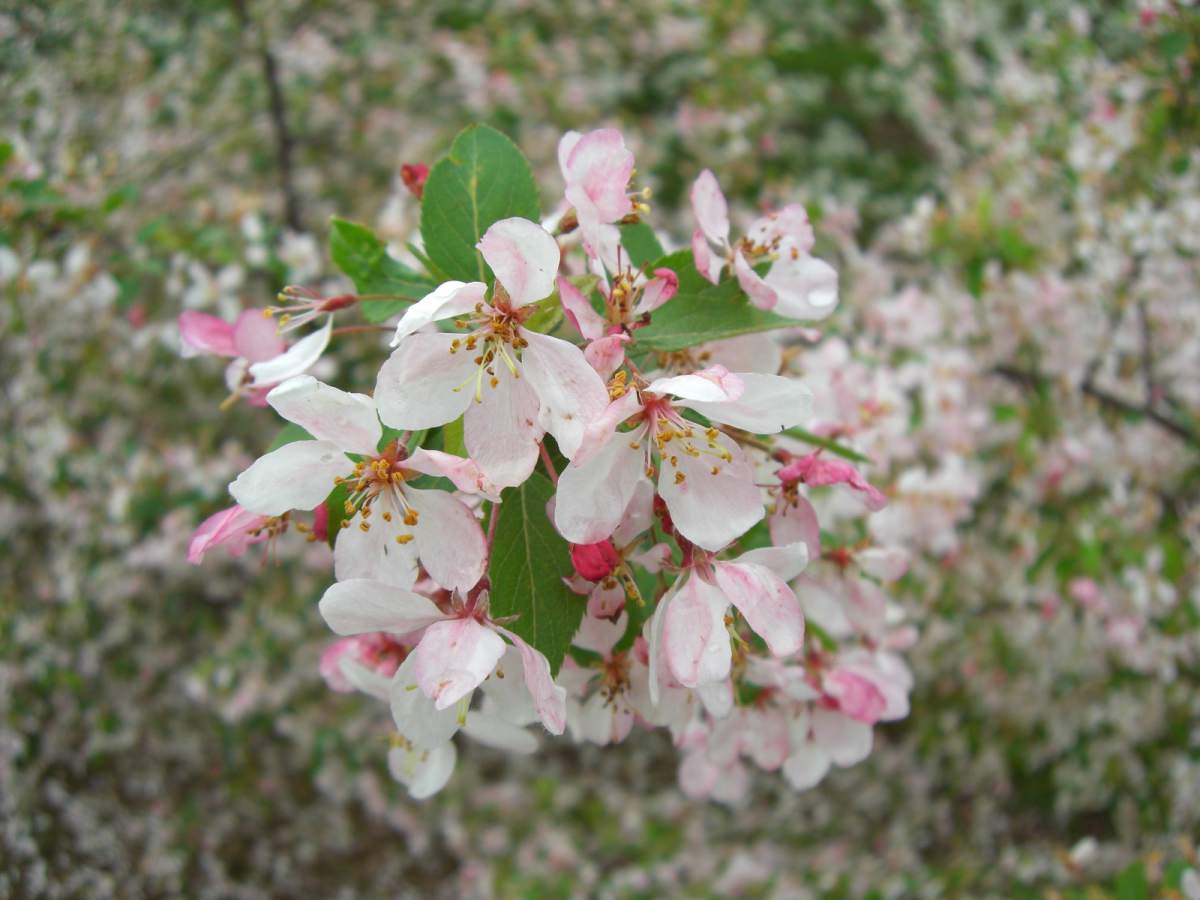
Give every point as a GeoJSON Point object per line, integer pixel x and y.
{"type": "Point", "coordinates": [548, 463]}
{"type": "Point", "coordinates": [360, 329]}
{"type": "Point", "coordinates": [277, 107]}
{"type": "Point", "coordinates": [1035, 379]}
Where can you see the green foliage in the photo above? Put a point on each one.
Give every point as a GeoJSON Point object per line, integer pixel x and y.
{"type": "Point", "coordinates": [641, 244]}
{"type": "Point", "coordinates": [703, 312]}
{"type": "Point", "coordinates": [289, 434]}
{"type": "Point", "coordinates": [483, 179]}
{"type": "Point", "coordinates": [364, 258]}
{"type": "Point", "coordinates": [529, 561]}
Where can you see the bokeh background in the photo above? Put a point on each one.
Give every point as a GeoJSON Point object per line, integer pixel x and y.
{"type": "Point", "coordinates": [1010, 192]}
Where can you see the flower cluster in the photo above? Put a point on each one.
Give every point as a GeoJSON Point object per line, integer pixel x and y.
{"type": "Point", "coordinates": [679, 491]}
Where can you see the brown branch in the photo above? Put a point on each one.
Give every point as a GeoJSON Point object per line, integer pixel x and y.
{"type": "Point", "coordinates": [1029, 379]}
{"type": "Point", "coordinates": [277, 107]}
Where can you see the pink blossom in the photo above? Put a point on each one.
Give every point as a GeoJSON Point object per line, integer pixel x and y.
{"type": "Point", "coordinates": [818, 470]}
{"type": "Point", "coordinates": [596, 167]}
{"type": "Point", "coordinates": [234, 528]}
{"type": "Point", "coordinates": [511, 385]}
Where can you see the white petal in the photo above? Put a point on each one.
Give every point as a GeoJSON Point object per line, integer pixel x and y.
{"type": "Point", "coordinates": [453, 658]}
{"type": "Point", "coordinates": [426, 383]}
{"type": "Point", "coordinates": [710, 510]}
{"type": "Point", "coordinates": [449, 540]}
{"type": "Point", "coordinates": [769, 404]}
{"type": "Point", "coordinates": [570, 393]}
{"type": "Point", "coordinates": [450, 299]}
{"type": "Point", "coordinates": [493, 731]}
{"type": "Point", "coordinates": [360, 606]}
{"type": "Point", "coordinates": [786, 562]}
{"type": "Point", "coordinates": [716, 384]}
{"type": "Point", "coordinates": [846, 741]}
{"type": "Point", "coordinates": [329, 414]}
{"type": "Point", "coordinates": [415, 715]}
{"type": "Point", "coordinates": [423, 772]}
{"type": "Point", "coordinates": [374, 553]}
{"type": "Point", "coordinates": [298, 475]}
{"type": "Point", "coordinates": [592, 498]}
{"type": "Point", "coordinates": [549, 699]}
{"type": "Point", "coordinates": [807, 287]}
{"type": "Point", "coordinates": [501, 431]}
{"type": "Point", "coordinates": [297, 359]}
{"type": "Point", "coordinates": [523, 256]}
{"type": "Point", "coordinates": [806, 767]}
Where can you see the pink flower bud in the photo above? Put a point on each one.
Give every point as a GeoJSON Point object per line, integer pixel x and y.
{"type": "Point", "coordinates": [595, 561]}
{"type": "Point", "coordinates": [414, 176]}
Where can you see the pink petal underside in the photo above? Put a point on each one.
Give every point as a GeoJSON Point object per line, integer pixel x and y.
{"type": "Point", "coordinates": [606, 354]}
{"type": "Point", "coordinates": [766, 602]}
{"type": "Point", "coordinates": [463, 472]}
{"type": "Point", "coordinates": [523, 256]}
{"type": "Point", "coordinates": [230, 528]}
{"type": "Point", "coordinates": [658, 290]}
{"type": "Point", "coordinates": [453, 658]}
{"type": "Point", "coordinates": [706, 263]}
{"type": "Point", "coordinates": [695, 643]}
{"type": "Point", "coordinates": [760, 293]}
{"type": "Point", "coordinates": [600, 165]}
{"type": "Point", "coordinates": [710, 209]}
{"type": "Point", "coordinates": [796, 522]}
{"type": "Point", "coordinates": [549, 699]}
{"type": "Point", "coordinates": [579, 312]}
{"type": "Point", "coordinates": [256, 336]}
{"type": "Point", "coordinates": [207, 334]}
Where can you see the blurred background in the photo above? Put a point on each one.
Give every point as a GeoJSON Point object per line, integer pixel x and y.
{"type": "Point", "coordinates": [1011, 193]}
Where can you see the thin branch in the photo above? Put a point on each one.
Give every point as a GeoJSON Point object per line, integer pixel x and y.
{"type": "Point", "coordinates": [284, 142]}
{"type": "Point", "coordinates": [1035, 379]}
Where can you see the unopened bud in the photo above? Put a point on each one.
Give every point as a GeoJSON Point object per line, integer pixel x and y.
{"type": "Point", "coordinates": [595, 561]}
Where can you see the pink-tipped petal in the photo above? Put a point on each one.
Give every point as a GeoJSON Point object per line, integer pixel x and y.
{"type": "Point", "coordinates": [715, 385]}
{"type": "Point", "coordinates": [766, 602]}
{"type": "Point", "coordinates": [579, 312]}
{"type": "Point", "coordinates": [203, 333]}
{"type": "Point", "coordinates": [549, 699]}
{"type": "Point", "coordinates": [710, 209]}
{"type": "Point", "coordinates": [607, 354]}
{"type": "Point", "coordinates": [523, 256]}
{"type": "Point", "coordinates": [256, 337]}
{"type": "Point", "coordinates": [231, 528]}
{"type": "Point", "coordinates": [453, 658]}
{"type": "Point", "coordinates": [760, 293]}
{"type": "Point", "coordinates": [695, 643]}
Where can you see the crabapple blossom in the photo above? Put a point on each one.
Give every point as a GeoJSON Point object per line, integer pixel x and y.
{"type": "Point", "coordinates": [511, 385]}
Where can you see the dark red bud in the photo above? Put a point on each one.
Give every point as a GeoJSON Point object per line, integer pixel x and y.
{"type": "Point", "coordinates": [595, 561]}
{"type": "Point", "coordinates": [414, 176]}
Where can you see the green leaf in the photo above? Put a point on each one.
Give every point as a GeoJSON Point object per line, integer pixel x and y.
{"type": "Point", "coordinates": [452, 438]}
{"type": "Point", "coordinates": [641, 244]}
{"type": "Point", "coordinates": [529, 562]}
{"type": "Point", "coordinates": [703, 312]}
{"type": "Point", "coordinates": [483, 179]}
{"type": "Point", "coordinates": [364, 258]}
{"type": "Point", "coordinates": [1132, 883]}
{"type": "Point", "coordinates": [335, 503]}
{"type": "Point", "coordinates": [289, 434]}
{"type": "Point", "coordinates": [826, 444]}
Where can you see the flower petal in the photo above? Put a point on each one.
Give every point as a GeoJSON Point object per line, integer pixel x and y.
{"type": "Point", "coordinates": [453, 658]}
{"type": "Point", "coordinates": [427, 381]}
{"type": "Point", "coordinates": [449, 540]}
{"type": "Point", "coordinates": [767, 603]}
{"type": "Point", "coordinates": [807, 287]}
{"type": "Point", "coordinates": [569, 391]}
{"type": "Point", "coordinates": [606, 354]}
{"type": "Point", "coordinates": [329, 414]}
{"type": "Point", "coordinates": [359, 606]}
{"type": "Point", "coordinates": [493, 731]}
{"type": "Point", "coordinates": [203, 333]}
{"type": "Point", "coordinates": [597, 172]}
{"type": "Point", "coordinates": [549, 699]}
{"type": "Point", "coordinates": [416, 717]}
{"type": "Point", "coordinates": [592, 497]}
{"type": "Point", "coordinates": [661, 288]}
{"type": "Point", "coordinates": [846, 741]}
{"type": "Point", "coordinates": [463, 472]}
{"type": "Point", "coordinates": [256, 336]}
{"type": "Point", "coordinates": [709, 509]}
{"type": "Point", "coordinates": [695, 643]}
{"type": "Point", "coordinates": [716, 384]}
{"type": "Point", "coordinates": [710, 209]}
{"type": "Point", "coordinates": [796, 522]}
{"type": "Point", "coordinates": [423, 772]}
{"type": "Point", "coordinates": [768, 404]}
{"type": "Point", "coordinates": [579, 312]}
{"type": "Point", "coordinates": [296, 360]}
{"type": "Point", "coordinates": [231, 528]}
{"type": "Point", "coordinates": [523, 256]}
{"type": "Point", "coordinates": [787, 561]}
{"type": "Point", "coordinates": [760, 293]}
{"type": "Point", "coordinates": [501, 431]}
{"type": "Point", "coordinates": [707, 264]}
{"type": "Point", "coordinates": [375, 553]}
{"type": "Point", "coordinates": [449, 299]}
{"type": "Point", "coordinates": [298, 475]}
